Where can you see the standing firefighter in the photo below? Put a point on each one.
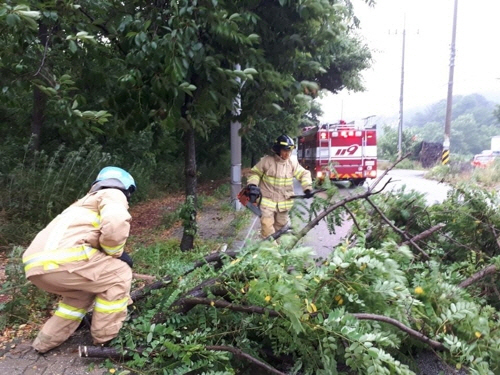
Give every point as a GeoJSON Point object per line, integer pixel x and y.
{"type": "Point", "coordinates": [274, 176]}
{"type": "Point", "coordinates": [80, 256]}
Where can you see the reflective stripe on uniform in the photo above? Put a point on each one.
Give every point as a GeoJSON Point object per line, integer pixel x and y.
{"type": "Point", "coordinates": [255, 177]}
{"type": "Point", "coordinates": [109, 307]}
{"type": "Point", "coordinates": [69, 312]}
{"type": "Point", "coordinates": [283, 205]}
{"type": "Point", "coordinates": [277, 181]}
{"type": "Point", "coordinates": [110, 250]}
{"type": "Point", "coordinates": [50, 260]}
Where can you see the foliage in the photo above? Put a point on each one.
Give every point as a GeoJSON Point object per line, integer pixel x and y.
{"type": "Point", "coordinates": [39, 187]}
{"type": "Point", "coordinates": [27, 302]}
{"type": "Point", "coordinates": [473, 124]}
{"type": "Point", "coordinates": [304, 318]}
{"type": "Point", "coordinates": [133, 77]}
{"type": "Point", "coordinates": [489, 176]}
{"type": "Point", "coordinates": [387, 144]}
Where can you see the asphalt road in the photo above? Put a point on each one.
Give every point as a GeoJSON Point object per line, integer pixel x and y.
{"type": "Point", "coordinates": [323, 242]}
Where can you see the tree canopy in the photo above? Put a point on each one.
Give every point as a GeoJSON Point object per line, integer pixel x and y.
{"type": "Point", "coordinates": [151, 83]}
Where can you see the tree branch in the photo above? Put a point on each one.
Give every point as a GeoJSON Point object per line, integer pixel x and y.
{"type": "Point", "coordinates": [377, 181]}
{"type": "Point", "coordinates": [107, 352]}
{"type": "Point", "coordinates": [105, 30]}
{"type": "Point", "coordinates": [249, 358]}
{"type": "Point", "coordinates": [478, 276]}
{"type": "Point", "coordinates": [329, 210]}
{"type": "Point", "coordinates": [415, 334]}
{"type": "Point", "coordinates": [272, 313]}
{"type": "Point", "coordinates": [426, 233]}
{"type": "Point", "coordinates": [139, 294]}
{"type": "Point", "coordinates": [396, 229]}
{"type": "Point", "coordinates": [352, 217]}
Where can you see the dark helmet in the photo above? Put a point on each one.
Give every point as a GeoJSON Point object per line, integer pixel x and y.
{"type": "Point", "coordinates": [283, 142]}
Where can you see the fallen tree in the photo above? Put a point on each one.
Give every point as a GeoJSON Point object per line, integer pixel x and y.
{"type": "Point", "coordinates": [277, 311]}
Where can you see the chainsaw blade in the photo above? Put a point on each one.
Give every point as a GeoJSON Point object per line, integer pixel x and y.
{"type": "Point", "coordinates": [255, 209]}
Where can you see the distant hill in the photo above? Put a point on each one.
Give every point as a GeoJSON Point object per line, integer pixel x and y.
{"type": "Point", "coordinates": [474, 104]}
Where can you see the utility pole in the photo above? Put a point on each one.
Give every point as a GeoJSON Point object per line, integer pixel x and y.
{"type": "Point", "coordinates": [400, 127]}
{"type": "Point", "coordinates": [447, 124]}
{"type": "Point", "coordinates": [236, 151]}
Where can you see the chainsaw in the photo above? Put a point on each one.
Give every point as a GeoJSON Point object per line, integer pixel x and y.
{"type": "Point", "coordinates": [250, 197]}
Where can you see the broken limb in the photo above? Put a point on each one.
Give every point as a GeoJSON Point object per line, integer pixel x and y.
{"type": "Point", "coordinates": [139, 294]}
{"type": "Point", "coordinates": [100, 352]}
{"type": "Point", "coordinates": [107, 352]}
{"type": "Point", "coordinates": [425, 234]}
{"type": "Point", "coordinates": [329, 210]}
{"type": "Point", "coordinates": [478, 276]}
{"type": "Point", "coordinates": [372, 186]}
{"type": "Point", "coordinates": [396, 229]}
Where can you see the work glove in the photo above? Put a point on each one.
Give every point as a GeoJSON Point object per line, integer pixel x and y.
{"type": "Point", "coordinates": [253, 192]}
{"type": "Point", "coordinates": [308, 193]}
{"type": "Point", "coordinates": [127, 259]}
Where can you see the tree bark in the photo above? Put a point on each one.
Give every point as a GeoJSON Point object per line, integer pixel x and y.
{"type": "Point", "coordinates": [478, 276]}
{"type": "Point", "coordinates": [190, 229]}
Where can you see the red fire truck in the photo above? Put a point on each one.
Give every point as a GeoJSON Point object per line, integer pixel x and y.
{"type": "Point", "coordinates": [341, 151]}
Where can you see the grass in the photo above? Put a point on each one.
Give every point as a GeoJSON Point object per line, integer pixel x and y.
{"type": "Point", "coordinates": [488, 177]}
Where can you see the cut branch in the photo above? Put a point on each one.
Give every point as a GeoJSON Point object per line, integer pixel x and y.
{"type": "Point", "coordinates": [396, 229]}
{"type": "Point", "coordinates": [272, 313]}
{"type": "Point", "coordinates": [249, 358]}
{"type": "Point", "coordinates": [140, 276]}
{"type": "Point", "coordinates": [377, 181]}
{"type": "Point", "coordinates": [415, 334]}
{"type": "Point", "coordinates": [478, 276]}
{"type": "Point", "coordinates": [107, 352]}
{"type": "Point", "coordinates": [426, 233]}
{"type": "Point", "coordinates": [329, 210]}
{"type": "Point", "coordinates": [139, 294]}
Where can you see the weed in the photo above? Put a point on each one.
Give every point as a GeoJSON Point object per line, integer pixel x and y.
{"type": "Point", "coordinates": [226, 207]}
{"type": "Point", "coordinates": [165, 258]}
{"type": "Point", "coordinates": [29, 301]}
{"type": "Point", "coordinates": [241, 219]}
{"type": "Point", "coordinates": [169, 218]}
{"type": "Point", "coordinates": [223, 191]}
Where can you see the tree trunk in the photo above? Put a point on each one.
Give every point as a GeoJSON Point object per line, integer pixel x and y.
{"type": "Point", "coordinates": [190, 228]}
{"type": "Point", "coordinates": [39, 99]}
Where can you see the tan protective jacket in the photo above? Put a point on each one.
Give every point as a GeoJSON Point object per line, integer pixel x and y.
{"type": "Point", "coordinates": [89, 230]}
{"type": "Point", "coordinates": [275, 176]}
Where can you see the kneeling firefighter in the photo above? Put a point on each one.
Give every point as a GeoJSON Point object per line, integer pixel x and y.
{"type": "Point", "coordinates": [272, 177]}
{"type": "Point", "coordinates": [80, 256]}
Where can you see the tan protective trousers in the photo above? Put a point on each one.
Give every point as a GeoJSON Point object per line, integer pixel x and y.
{"type": "Point", "coordinates": [109, 294]}
{"type": "Point", "coordinates": [271, 221]}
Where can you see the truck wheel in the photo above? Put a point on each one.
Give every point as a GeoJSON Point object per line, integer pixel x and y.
{"type": "Point", "coordinates": [358, 181]}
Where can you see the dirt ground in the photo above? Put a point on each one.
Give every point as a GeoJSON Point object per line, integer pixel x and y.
{"type": "Point", "coordinates": [214, 222]}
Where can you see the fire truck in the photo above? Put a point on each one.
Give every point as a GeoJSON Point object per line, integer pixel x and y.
{"type": "Point", "coordinates": [340, 151]}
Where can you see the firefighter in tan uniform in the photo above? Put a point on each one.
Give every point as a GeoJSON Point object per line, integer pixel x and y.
{"type": "Point", "coordinates": [274, 176]}
{"type": "Point", "coordinates": [80, 256]}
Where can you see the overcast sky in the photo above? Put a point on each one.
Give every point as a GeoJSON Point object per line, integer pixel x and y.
{"type": "Point", "coordinates": [427, 55]}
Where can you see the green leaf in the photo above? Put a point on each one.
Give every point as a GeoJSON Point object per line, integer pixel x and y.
{"type": "Point", "coordinates": [12, 19]}
{"type": "Point", "coordinates": [31, 14]}
{"type": "Point", "coordinates": [250, 71]}
{"type": "Point", "coordinates": [72, 46]}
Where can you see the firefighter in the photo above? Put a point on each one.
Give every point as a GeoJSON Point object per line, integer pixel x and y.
{"type": "Point", "coordinates": [80, 256]}
{"type": "Point", "coordinates": [273, 175]}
